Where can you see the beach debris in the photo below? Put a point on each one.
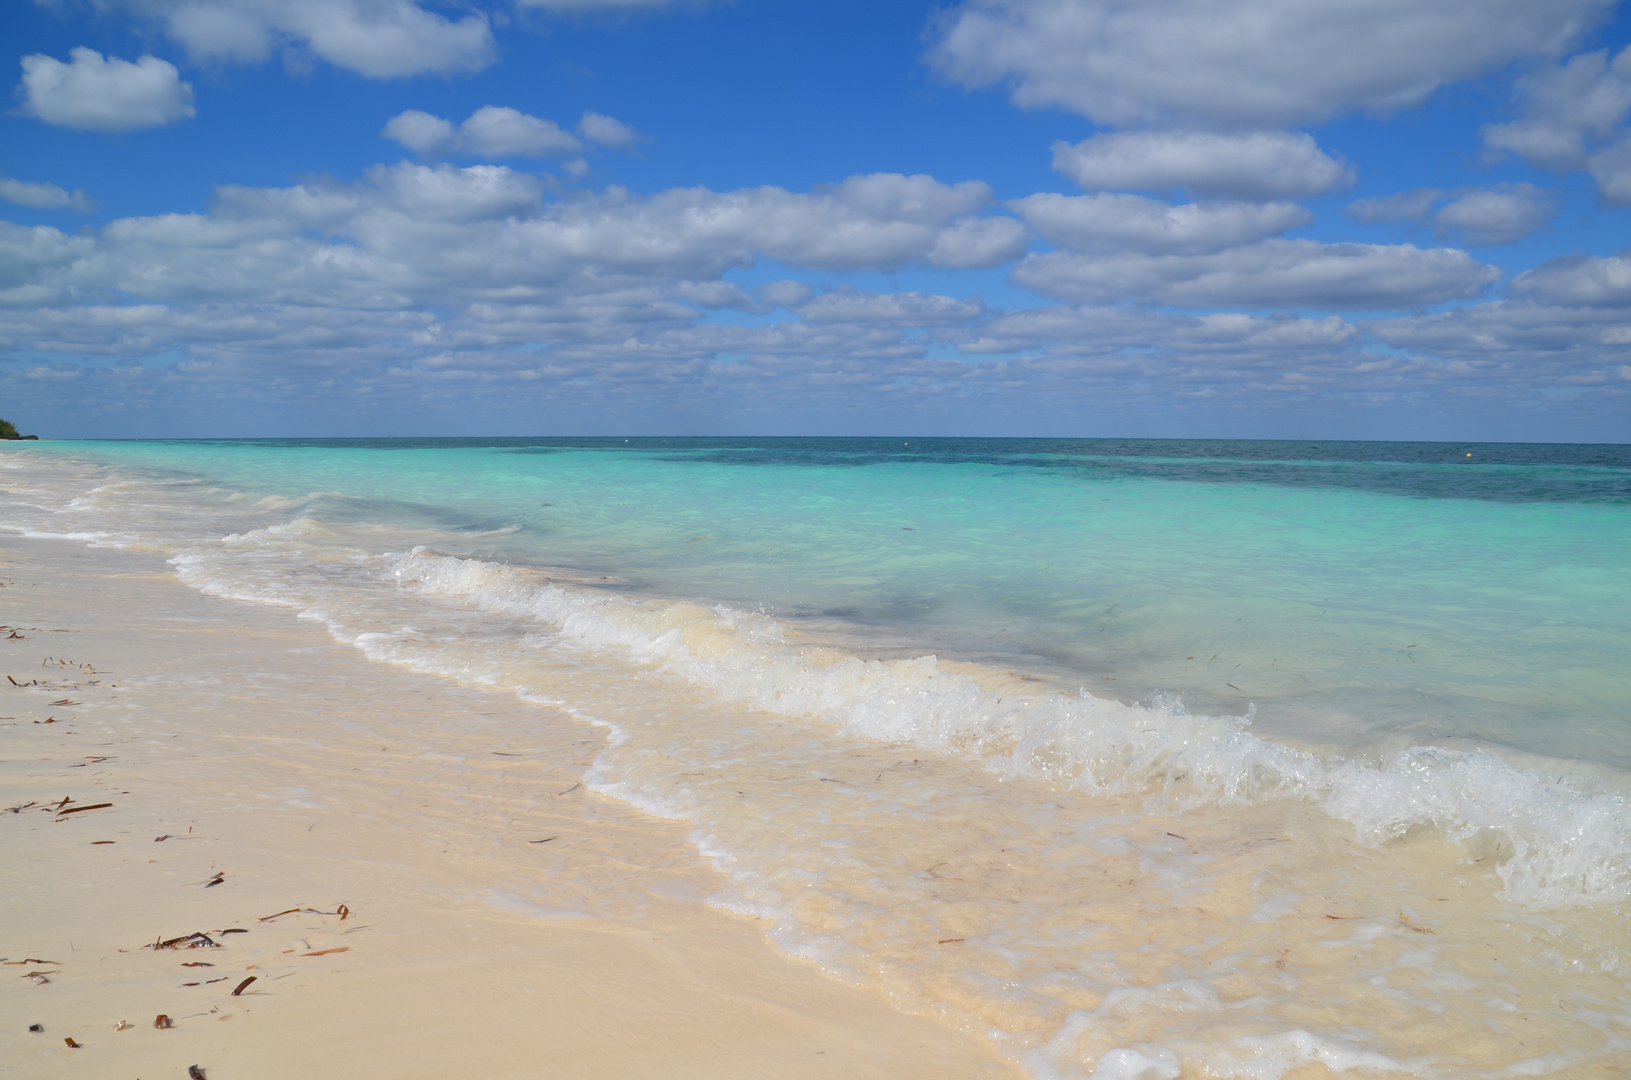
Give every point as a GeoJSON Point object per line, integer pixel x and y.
{"type": "Point", "coordinates": [545, 840]}
{"type": "Point", "coordinates": [219, 877]}
{"type": "Point", "coordinates": [1344, 917]}
{"type": "Point", "coordinates": [36, 1028]}
{"type": "Point", "coordinates": [162, 1021]}
{"type": "Point", "coordinates": [342, 911]}
{"type": "Point", "coordinates": [1281, 963]}
{"type": "Point", "coordinates": [70, 1041]}
{"type": "Point", "coordinates": [38, 978]}
{"type": "Point", "coordinates": [19, 808]}
{"type": "Point", "coordinates": [325, 952]}
{"type": "Point", "coordinates": [122, 1025]}
{"type": "Point", "coordinates": [951, 941]}
{"type": "Point", "coordinates": [234, 930]}
{"type": "Point", "coordinates": [195, 940]}
{"type": "Point", "coordinates": [96, 842]}
{"type": "Point", "coordinates": [1408, 925]}
{"type": "Point", "coordinates": [31, 960]}
{"type": "Point", "coordinates": [65, 701]}
{"type": "Point", "coordinates": [195, 1073]}
{"type": "Point", "coordinates": [197, 963]}
{"type": "Point", "coordinates": [241, 987]}
{"type": "Point", "coordinates": [571, 789]}
{"type": "Point", "coordinates": [81, 809]}
{"type": "Point", "coordinates": [90, 761]}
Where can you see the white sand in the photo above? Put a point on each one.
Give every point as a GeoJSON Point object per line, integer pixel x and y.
{"type": "Point", "coordinates": [311, 777]}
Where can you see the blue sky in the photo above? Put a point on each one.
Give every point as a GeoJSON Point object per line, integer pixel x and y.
{"type": "Point", "coordinates": [1250, 218]}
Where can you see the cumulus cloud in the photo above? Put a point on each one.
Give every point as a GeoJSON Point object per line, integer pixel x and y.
{"type": "Point", "coordinates": [44, 196]}
{"type": "Point", "coordinates": [1135, 223]}
{"type": "Point", "coordinates": [410, 234]}
{"type": "Point", "coordinates": [1573, 118]}
{"type": "Point", "coordinates": [1495, 216]}
{"type": "Point", "coordinates": [1565, 108]}
{"type": "Point", "coordinates": [1273, 273]}
{"type": "Point", "coordinates": [493, 131]}
{"type": "Point", "coordinates": [377, 38]}
{"type": "Point", "coordinates": [1611, 168]}
{"type": "Point", "coordinates": [1098, 330]}
{"type": "Point", "coordinates": [1258, 165]}
{"type": "Point", "coordinates": [908, 309]}
{"type": "Point", "coordinates": [608, 132]}
{"type": "Point", "coordinates": [1515, 331]}
{"type": "Point", "coordinates": [1242, 63]}
{"type": "Point", "coordinates": [1578, 280]}
{"type": "Point", "coordinates": [1411, 205]}
{"type": "Point", "coordinates": [1503, 214]}
{"type": "Point", "coordinates": [96, 93]}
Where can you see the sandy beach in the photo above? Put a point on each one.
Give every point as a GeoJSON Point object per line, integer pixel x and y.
{"type": "Point", "coordinates": [371, 847]}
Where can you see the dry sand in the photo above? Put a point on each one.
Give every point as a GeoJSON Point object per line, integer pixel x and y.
{"type": "Point", "coordinates": [241, 745]}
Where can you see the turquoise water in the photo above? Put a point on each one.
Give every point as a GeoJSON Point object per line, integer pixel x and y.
{"type": "Point", "coordinates": [1211, 758]}
{"type": "Point", "coordinates": [1348, 590]}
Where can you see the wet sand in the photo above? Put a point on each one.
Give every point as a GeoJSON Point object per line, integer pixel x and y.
{"type": "Point", "coordinates": [500, 920]}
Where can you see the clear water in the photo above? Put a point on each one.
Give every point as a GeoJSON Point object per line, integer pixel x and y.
{"type": "Point", "coordinates": [1271, 677]}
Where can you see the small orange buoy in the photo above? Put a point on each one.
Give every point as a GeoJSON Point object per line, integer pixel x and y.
{"type": "Point", "coordinates": [1469, 455]}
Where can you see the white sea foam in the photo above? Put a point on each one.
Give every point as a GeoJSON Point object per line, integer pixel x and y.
{"type": "Point", "coordinates": [1562, 846]}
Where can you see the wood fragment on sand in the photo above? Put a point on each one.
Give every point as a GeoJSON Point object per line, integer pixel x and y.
{"type": "Point", "coordinates": [81, 809]}
{"type": "Point", "coordinates": [161, 1021]}
{"type": "Point", "coordinates": [195, 940]}
{"type": "Point", "coordinates": [241, 987]}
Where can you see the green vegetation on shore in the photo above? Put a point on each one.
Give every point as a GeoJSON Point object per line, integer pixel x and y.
{"type": "Point", "coordinates": [8, 430]}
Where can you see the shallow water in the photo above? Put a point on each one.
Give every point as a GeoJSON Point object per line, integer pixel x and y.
{"type": "Point", "coordinates": [1137, 757]}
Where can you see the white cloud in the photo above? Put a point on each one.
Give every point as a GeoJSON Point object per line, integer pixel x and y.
{"type": "Point", "coordinates": [1578, 280]}
{"type": "Point", "coordinates": [492, 131]}
{"type": "Point", "coordinates": [1611, 168]}
{"type": "Point", "coordinates": [377, 38]}
{"type": "Point", "coordinates": [1513, 329]}
{"type": "Point", "coordinates": [411, 234]}
{"type": "Point", "coordinates": [1573, 118]}
{"type": "Point", "coordinates": [972, 242]}
{"type": "Point", "coordinates": [1581, 101]}
{"type": "Point", "coordinates": [1090, 330]}
{"type": "Point", "coordinates": [608, 132]}
{"type": "Point", "coordinates": [1259, 165]}
{"type": "Point", "coordinates": [788, 294]}
{"type": "Point", "coordinates": [913, 309]}
{"type": "Point", "coordinates": [499, 131]}
{"type": "Point", "coordinates": [1503, 214]}
{"type": "Point", "coordinates": [1242, 63]}
{"type": "Point", "coordinates": [1411, 205]}
{"type": "Point", "coordinates": [1273, 273]}
{"type": "Point", "coordinates": [94, 93]}
{"type": "Point", "coordinates": [45, 196]}
{"type": "Point", "coordinates": [1135, 223]}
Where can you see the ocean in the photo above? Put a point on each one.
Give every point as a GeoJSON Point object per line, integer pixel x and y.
{"type": "Point", "coordinates": [1141, 758]}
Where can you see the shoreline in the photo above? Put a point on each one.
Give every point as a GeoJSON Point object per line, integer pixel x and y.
{"type": "Point", "coordinates": [500, 920]}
